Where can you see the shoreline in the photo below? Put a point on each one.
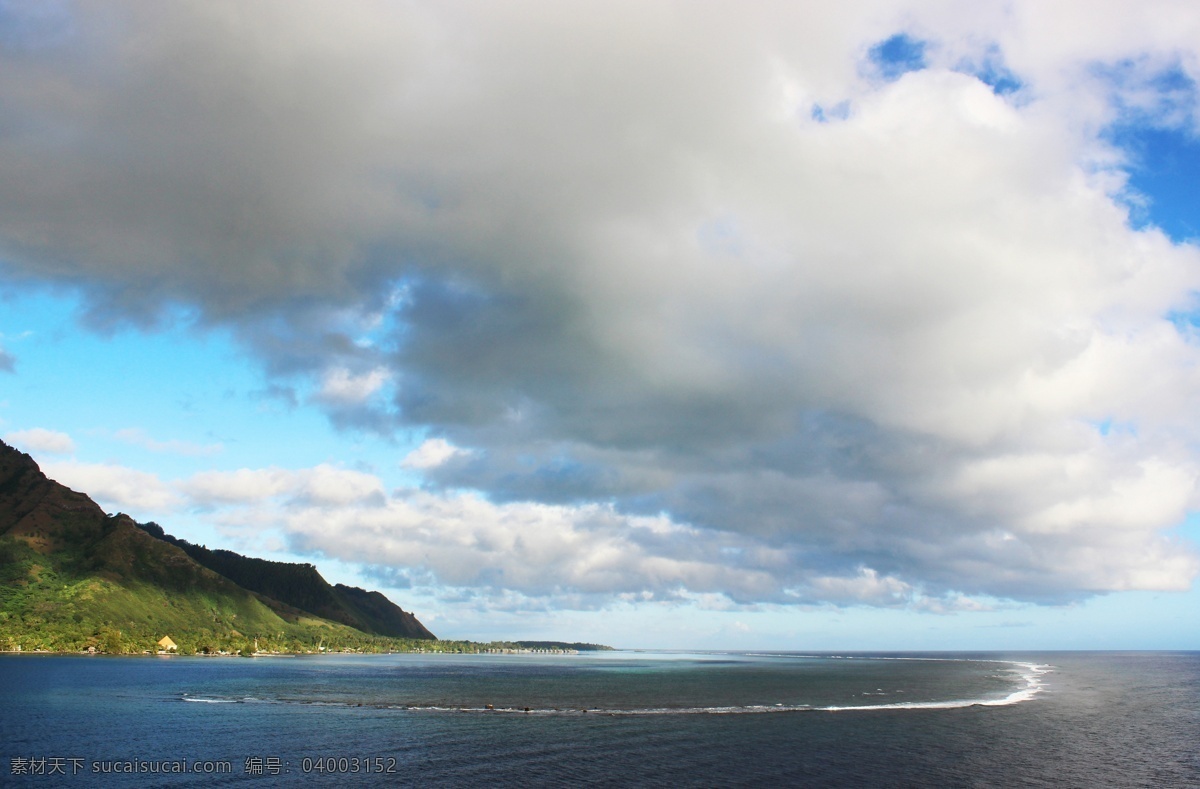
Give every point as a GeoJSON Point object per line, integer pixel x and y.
{"type": "Point", "coordinates": [530, 653]}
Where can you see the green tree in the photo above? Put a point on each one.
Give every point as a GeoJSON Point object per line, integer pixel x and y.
{"type": "Point", "coordinates": [112, 642]}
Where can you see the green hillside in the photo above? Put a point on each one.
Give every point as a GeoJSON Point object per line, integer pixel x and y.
{"type": "Point", "coordinates": [302, 587]}
{"type": "Point", "coordinates": [72, 577]}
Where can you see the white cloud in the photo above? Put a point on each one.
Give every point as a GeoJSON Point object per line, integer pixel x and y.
{"type": "Point", "coordinates": [116, 488]}
{"type": "Point", "coordinates": [341, 386]}
{"type": "Point", "coordinates": [534, 550]}
{"type": "Point", "coordinates": [320, 485]}
{"type": "Point", "coordinates": [39, 440]}
{"type": "Point", "coordinates": [867, 587]}
{"type": "Point", "coordinates": [327, 485]}
{"type": "Point", "coordinates": [243, 485]}
{"type": "Point", "coordinates": [433, 452]}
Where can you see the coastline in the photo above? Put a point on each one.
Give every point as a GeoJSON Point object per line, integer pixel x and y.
{"type": "Point", "coordinates": [322, 653]}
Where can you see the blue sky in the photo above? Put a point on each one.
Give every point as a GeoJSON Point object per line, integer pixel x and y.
{"type": "Point", "coordinates": [660, 327]}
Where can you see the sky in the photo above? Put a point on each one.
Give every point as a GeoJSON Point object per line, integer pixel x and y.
{"type": "Point", "coordinates": [656, 324]}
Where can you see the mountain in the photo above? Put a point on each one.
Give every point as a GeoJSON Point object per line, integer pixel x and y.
{"type": "Point", "coordinates": [301, 586]}
{"type": "Point", "coordinates": [379, 614]}
{"type": "Point", "coordinates": [72, 577]}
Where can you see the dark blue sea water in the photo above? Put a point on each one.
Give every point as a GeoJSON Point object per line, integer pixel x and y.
{"type": "Point", "coordinates": [609, 719]}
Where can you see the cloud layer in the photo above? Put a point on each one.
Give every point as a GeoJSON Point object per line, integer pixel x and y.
{"type": "Point", "coordinates": [42, 441]}
{"type": "Point", "coordinates": [837, 326]}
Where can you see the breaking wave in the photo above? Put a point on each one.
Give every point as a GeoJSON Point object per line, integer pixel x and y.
{"type": "Point", "coordinates": [1026, 681]}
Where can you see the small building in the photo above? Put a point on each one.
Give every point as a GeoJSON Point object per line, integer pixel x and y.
{"type": "Point", "coordinates": [165, 644]}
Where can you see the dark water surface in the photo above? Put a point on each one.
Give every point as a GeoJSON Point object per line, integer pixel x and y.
{"type": "Point", "coordinates": [616, 719]}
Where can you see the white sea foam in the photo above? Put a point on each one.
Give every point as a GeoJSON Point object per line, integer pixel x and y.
{"type": "Point", "coordinates": [1030, 674]}
{"type": "Point", "coordinates": [201, 700]}
{"type": "Point", "coordinates": [753, 709]}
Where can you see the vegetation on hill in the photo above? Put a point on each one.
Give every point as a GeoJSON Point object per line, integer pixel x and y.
{"type": "Point", "coordinates": [302, 587]}
{"type": "Point", "coordinates": [565, 645]}
{"type": "Point", "coordinates": [66, 601]}
{"type": "Point", "coordinates": [73, 578]}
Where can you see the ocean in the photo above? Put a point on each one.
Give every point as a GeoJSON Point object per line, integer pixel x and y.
{"type": "Point", "coordinates": [624, 718]}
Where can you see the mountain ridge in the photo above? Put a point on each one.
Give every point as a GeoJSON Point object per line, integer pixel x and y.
{"type": "Point", "coordinates": [73, 577]}
{"type": "Point", "coordinates": [301, 586]}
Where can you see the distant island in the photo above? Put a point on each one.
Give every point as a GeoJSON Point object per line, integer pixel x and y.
{"type": "Point", "coordinates": [73, 579]}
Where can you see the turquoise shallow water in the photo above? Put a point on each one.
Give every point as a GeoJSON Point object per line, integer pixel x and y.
{"type": "Point", "coordinates": [624, 718]}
